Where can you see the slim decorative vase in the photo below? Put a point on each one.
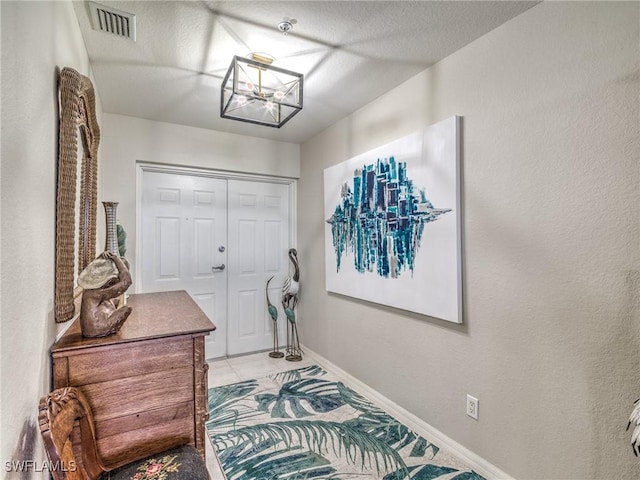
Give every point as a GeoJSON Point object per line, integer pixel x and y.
{"type": "Point", "coordinates": [111, 243]}
{"type": "Point", "coordinates": [111, 239]}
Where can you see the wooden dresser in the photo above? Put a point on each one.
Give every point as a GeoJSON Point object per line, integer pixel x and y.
{"type": "Point", "coordinates": [147, 384]}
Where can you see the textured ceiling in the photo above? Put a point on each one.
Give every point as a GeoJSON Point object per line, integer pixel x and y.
{"type": "Point", "coordinates": [350, 53]}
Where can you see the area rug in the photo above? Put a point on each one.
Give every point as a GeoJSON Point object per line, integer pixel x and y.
{"type": "Point", "coordinates": [304, 424]}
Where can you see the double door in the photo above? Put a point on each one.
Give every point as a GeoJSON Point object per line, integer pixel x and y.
{"type": "Point", "coordinates": [221, 240]}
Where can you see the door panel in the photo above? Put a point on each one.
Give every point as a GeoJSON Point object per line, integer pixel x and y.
{"type": "Point", "coordinates": [168, 242]}
{"type": "Point", "coordinates": [259, 225]}
{"type": "Point", "coordinates": [273, 246]}
{"type": "Point", "coordinates": [247, 312]}
{"type": "Point", "coordinates": [183, 226]}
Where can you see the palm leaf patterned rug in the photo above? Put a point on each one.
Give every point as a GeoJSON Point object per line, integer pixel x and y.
{"type": "Point", "coordinates": [304, 424]}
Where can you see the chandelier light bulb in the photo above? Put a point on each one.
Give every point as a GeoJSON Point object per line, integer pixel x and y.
{"type": "Point", "coordinates": [242, 100]}
{"type": "Point", "coordinates": [278, 95]}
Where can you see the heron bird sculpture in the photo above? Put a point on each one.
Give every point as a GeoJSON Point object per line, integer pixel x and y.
{"type": "Point", "coordinates": [289, 301]}
{"type": "Point", "coordinates": [273, 313]}
{"type": "Point", "coordinates": [634, 420]}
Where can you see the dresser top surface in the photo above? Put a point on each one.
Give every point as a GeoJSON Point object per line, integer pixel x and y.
{"type": "Point", "coordinates": [153, 315]}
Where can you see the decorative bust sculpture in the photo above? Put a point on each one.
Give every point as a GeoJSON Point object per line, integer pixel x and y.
{"type": "Point", "coordinates": [104, 280]}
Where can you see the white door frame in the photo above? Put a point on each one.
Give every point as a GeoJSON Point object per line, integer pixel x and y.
{"type": "Point", "coordinates": [142, 167]}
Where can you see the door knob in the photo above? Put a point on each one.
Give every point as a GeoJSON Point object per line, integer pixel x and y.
{"type": "Point", "coordinates": [218, 268]}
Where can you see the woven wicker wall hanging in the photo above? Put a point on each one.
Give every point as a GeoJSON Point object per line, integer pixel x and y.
{"type": "Point", "coordinates": [76, 99]}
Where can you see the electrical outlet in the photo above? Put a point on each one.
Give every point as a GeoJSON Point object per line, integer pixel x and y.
{"type": "Point", "coordinates": [472, 407]}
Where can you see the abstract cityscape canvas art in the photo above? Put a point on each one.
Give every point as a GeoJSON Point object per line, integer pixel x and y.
{"type": "Point", "coordinates": [393, 224]}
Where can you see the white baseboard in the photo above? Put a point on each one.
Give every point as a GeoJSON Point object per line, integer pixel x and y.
{"type": "Point", "coordinates": [419, 426]}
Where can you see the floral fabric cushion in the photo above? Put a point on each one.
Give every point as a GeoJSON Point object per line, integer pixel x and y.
{"type": "Point", "coordinates": [182, 463]}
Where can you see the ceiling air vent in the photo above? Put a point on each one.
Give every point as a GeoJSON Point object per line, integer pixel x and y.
{"type": "Point", "coordinates": [111, 20]}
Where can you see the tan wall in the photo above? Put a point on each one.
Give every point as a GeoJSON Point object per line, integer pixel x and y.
{"type": "Point", "coordinates": [128, 140]}
{"type": "Point", "coordinates": [551, 339]}
{"type": "Point", "coordinates": [37, 38]}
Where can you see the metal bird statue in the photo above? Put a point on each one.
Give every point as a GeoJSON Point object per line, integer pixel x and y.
{"type": "Point", "coordinates": [634, 420]}
{"type": "Point", "coordinates": [273, 313]}
{"type": "Point", "coordinates": [292, 284]}
{"type": "Point", "coordinates": [289, 301]}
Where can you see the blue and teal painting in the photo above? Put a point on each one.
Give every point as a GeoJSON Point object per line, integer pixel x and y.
{"type": "Point", "coordinates": [381, 219]}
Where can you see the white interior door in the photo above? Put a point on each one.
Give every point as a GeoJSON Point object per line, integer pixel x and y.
{"type": "Point", "coordinates": [259, 227]}
{"type": "Point", "coordinates": [193, 225]}
{"type": "Point", "coordinates": [183, 244]}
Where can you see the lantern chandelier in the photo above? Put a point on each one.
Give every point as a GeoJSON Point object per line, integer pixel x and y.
{"type": "Point", "coordinates": [255, 91]}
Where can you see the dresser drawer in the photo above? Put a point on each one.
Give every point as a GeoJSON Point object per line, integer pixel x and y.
{"type": "Point", "coordinates": [124, 361]}
{"type": "Point", "coordinates": [126, 396]}
{"type": "Point", "coordinates": [145, 433]}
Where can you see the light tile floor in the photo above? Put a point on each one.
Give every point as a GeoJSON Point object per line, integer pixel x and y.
{"type": "Point", "coordinates": [236, 369]}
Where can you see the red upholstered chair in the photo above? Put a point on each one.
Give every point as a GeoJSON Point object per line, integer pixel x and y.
{"type": "Point", "coordinates": [65, 407]}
